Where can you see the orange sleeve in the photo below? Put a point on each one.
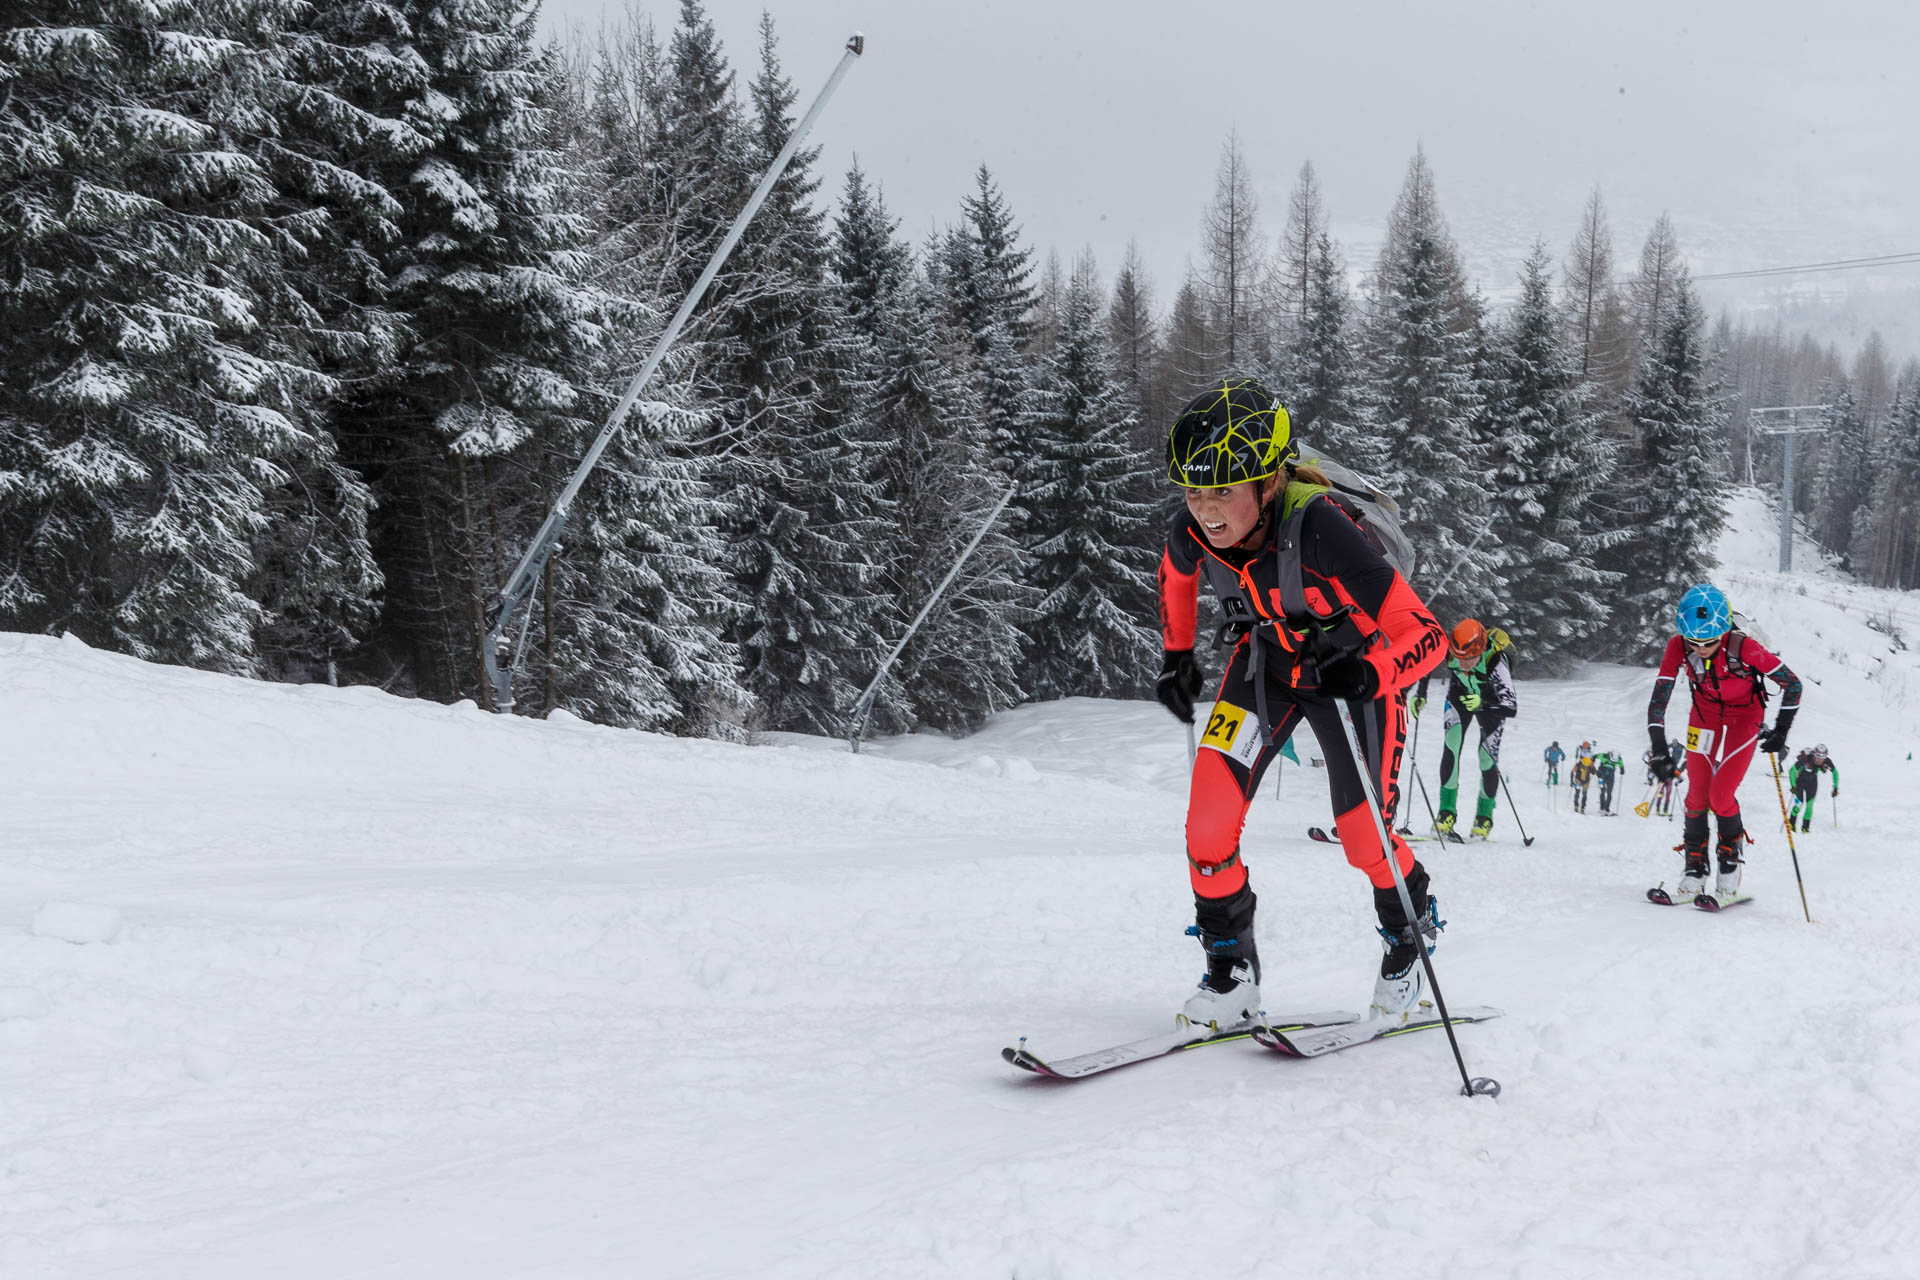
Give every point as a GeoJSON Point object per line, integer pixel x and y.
{"type": "Point", "coordinates": [1415, 645]}
{"type": "Point", "coordinates": [1179, 604]}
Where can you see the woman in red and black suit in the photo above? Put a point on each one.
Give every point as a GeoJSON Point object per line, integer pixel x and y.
{"type": "Point", "coordinates": [1324, 623]}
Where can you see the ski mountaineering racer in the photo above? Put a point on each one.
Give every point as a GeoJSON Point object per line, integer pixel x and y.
{"type": "Point", "coordinates": [1660, 782]}
{"type": "Point", "coordinates": [1480, 691]}
{"type": "Point", "coordinates": [1320, 622]}
{"type": "Point", "coordinates": [1727, 671]}
{"type": "Point", "coordinates": [1608, 766]}
{"type": "Point", "coordinates": [1805, 779]}
{"type": "Point", "coordinates": [1553, 755]}
{"type": "Point", "coordinates": [1581, 777]}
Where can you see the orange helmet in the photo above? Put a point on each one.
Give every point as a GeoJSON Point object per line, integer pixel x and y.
{"type": "Point", "coordinates": [1469, 640]}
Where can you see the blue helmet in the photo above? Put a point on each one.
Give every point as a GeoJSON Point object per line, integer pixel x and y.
{"type": "Point", "coordinates": [1704, 613]}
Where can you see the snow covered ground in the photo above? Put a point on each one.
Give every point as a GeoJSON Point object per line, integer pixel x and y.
{"type": "Point", "coordinates": [306, 982]}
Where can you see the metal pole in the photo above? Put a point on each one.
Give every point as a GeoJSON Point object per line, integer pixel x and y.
{"type": "Point", "coordinates": [1447, 577]}
{"type": "Point", "coordinates": [1787, 820]}
{"type": "Point", "coordinates": [863, 705]}
{"type": "Point", "coordinates": [519, 587]}
{"type": "Point", "coordinates": [1525, 839]}
{"type": "Point", "coordinates": [1482, 1085]}
{"type": "Point", "coordinates": [1786, 501]}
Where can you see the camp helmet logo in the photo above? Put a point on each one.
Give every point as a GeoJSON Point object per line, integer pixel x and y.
{"type": "Point", "coordinates": [1229, 434]}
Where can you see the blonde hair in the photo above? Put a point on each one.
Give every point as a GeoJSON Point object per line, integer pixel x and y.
{"type": "Point", "coordinates": [1308, 472]}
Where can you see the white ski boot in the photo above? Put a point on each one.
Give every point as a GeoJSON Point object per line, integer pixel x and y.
{"type": "Point", "coordinates": [1693, 876]}
{"type": "Point", "coordinates": [1401, 996]}
{"type": "Point", "coordinates": [1400, 991]}
{"type": "Point", "coordinates": [1726, 881]}
{"type": "Point", "coordinates": [1223, 1000]}
{"type": "Point", "coordinates": [1229, 994]}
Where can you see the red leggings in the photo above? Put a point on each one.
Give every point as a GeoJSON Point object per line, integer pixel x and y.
{"type": "Point", "coordinates": [1713, 780]}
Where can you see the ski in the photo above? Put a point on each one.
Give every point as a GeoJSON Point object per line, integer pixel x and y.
{"type": "Point", "coordinates": [1715, 902]}
{"type": "Point", "coordinates": [1320, 834]}
{"type": "Point", "coordinates": [1311, 1042]}
{"type": "Point", "coordinates": [1150, 1047]}
{"type": "Point", "coordinates": [1660, 895]}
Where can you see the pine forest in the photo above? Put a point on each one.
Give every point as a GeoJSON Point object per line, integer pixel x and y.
{"type": "Point", "coordinates": [310, 311]}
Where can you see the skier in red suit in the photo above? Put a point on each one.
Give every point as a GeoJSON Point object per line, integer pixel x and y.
{"type": "Point", "coordinates": [1727, 671]}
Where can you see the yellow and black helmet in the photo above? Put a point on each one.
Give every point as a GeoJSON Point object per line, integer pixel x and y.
{"type": "Point", "coordinates": [1231, 433]}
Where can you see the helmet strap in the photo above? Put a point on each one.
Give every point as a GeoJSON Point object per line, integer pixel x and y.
{"type": "Point", "coordinates": [1254, 535]}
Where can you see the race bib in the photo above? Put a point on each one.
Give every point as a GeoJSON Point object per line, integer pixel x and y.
{"type": "Point", "coordinates": [1233, 732]}
{"type": "Point", "coordinates": [1699, 741]}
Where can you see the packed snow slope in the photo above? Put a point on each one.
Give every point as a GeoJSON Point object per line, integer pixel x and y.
{"type": "Point", "coordinates": [305, 982]}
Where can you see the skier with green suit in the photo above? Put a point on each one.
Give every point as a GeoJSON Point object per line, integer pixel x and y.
{"type": "Point", "coordinates": [1480, 689]}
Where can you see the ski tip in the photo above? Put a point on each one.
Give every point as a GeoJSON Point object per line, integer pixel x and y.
{"type": "Point", "coordinates": [1026, 1062]}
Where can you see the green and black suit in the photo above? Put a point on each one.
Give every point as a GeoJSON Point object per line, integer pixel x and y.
{"type": "Point", "coordinates": [1804, 779]}
{"type": "Point", "coordinates": [1482, 692]}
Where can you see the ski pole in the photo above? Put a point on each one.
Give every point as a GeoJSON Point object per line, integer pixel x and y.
{"type": "Point", "coordinates": [1645, 807]}
{"type": "Point", "coordinates": [1432, 818]}
{"type": "Point", "coordinates": [1788, 823]}
{"type": "Point", "coordinates": [1413, 763]}
{"type": "Point", "coordinates": [1525, 839]}
{"type": "Point", "coordinates": [1193, 749]}
{"type": "Point", "coordinates": [1483, 1085]}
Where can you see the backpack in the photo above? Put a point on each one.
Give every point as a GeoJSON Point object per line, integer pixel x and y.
{"type": "Point", "coordinates": [1743, 624]}
{"type": "Point", "coordinates": [1370, 507]}
{"type": "Point", "coordinates": [1735, 667]}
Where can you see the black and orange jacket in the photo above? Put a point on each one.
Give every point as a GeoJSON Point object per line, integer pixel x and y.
{"type": "Point", "coordinates": [1339, 570]}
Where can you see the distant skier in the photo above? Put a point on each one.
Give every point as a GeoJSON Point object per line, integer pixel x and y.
{"type": "Point", "coordinates": [1479, 690]}
{"type": "Point", "coordinates": [1805, 779]}
{"type": "Point", "coordinates": [1263, 528]}
{"type": "Point", "coordinates": [1660, 778]}
{"type": "Point", "coordinates": [1553, 755]}
{"type": "Point", "coordinates": [1582, 777]}
{"type": "Point", "coordinates": [1608, 766]}
{"type": "Point", "coordinates": [1727, 671]}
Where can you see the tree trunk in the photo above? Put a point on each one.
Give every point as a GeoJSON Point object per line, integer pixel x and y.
{"type": "Point", "coordinates": [553, 693]}
{"type": "Point", "coordinates": [439, 597]}
{"type": "Point", "coordinates": [476, 605]}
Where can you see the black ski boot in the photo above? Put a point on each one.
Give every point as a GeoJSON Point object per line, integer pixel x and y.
{"type": "Point", "coordinates": [1733, 840]}
{"type": "Point", "coordinates": [1229, 994]}
{"type": "Point", "coordinates": [1399, 991]}
{"type": "Point", "coordinates": [1693, 879]}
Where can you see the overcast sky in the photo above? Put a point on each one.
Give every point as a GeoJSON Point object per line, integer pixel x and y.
{"type": "Point", "coordinates": [1773, 132]}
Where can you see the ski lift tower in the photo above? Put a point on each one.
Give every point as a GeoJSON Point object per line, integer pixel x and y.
{"type": "Point", "coordinates": [1792, 428]}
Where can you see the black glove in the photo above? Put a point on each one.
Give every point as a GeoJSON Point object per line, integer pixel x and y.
{"type": "Point", "coordinates": [1659, 760]}
{"type": "Point", "coordinates": [1774, 740]}
{"type": "Point", "coordinates": [1179, 683]}
{"type": "Point", "coordinates": [1350, 678]}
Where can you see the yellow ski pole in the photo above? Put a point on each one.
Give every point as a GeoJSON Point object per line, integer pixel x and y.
{"type": "Point", "coordinates": [1787, 822]}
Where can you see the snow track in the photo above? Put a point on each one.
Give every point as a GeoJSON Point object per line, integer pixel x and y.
{"type": "Point", "coordinates": [684, 1009]}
